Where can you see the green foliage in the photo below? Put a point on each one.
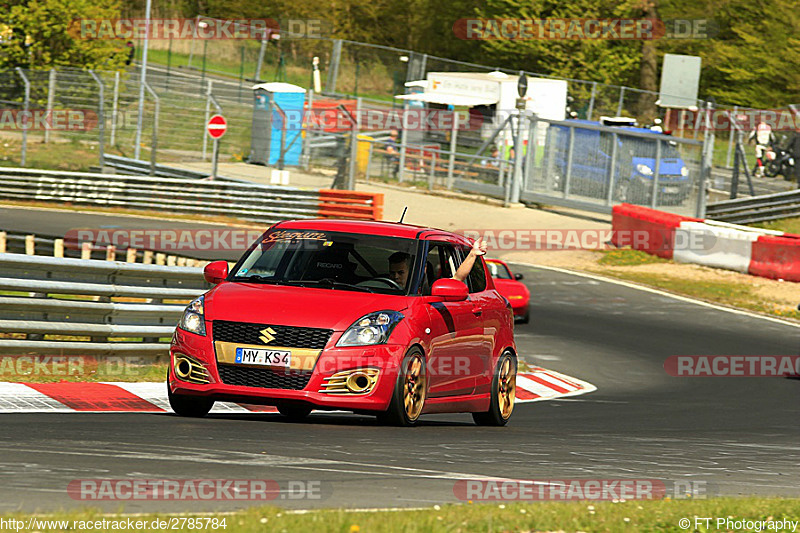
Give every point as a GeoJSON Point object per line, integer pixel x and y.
{"type": "Point", "coordinates": [45, 36]}
{"type": "Point", "coordinates": [753, 59]}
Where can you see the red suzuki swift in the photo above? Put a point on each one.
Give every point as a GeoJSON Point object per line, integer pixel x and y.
{"type": "Point", "coordinates": [346, 315]}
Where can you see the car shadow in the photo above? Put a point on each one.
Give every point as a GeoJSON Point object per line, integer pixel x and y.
{"type": "Point", "coordinates": [323, 419]}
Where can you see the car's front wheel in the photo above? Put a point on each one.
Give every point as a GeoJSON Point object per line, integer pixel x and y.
{"type": "Point", "coordinates": [191, 406]}
{"type": "Point", "coordinates": [504, 386]}
{"type": "Point", "coordinates": [410, 391]}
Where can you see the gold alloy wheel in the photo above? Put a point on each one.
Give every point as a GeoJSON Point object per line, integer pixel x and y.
{"type": "Point", "coordinates": [414, 387]}
{"type": "Point", "coordinates": [507, 385]}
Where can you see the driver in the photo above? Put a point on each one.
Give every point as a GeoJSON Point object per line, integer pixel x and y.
{"type": "Point", "coordinates": [400, 264]}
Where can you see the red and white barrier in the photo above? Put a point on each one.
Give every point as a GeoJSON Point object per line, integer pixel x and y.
{"type": "Point", "coordinates": [765, 253]}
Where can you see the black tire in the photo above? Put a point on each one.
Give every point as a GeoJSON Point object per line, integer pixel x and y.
{"type": "Point", "coordinates": [501, 404]}
{"type": "Point", "coordinates": [190, 406]}
{"type": "Point", "coordinates": [772, 169]}
{"type": "Point", "coordinates": [294, 413]}
{"type": "Point", "coordinates": [398, 414]}
{"type": "Point", "coordinates": [526, 318]}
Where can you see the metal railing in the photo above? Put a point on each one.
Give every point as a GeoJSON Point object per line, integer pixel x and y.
{"type": "Point", "coordinates": [67, 306]}
{"type": "Point", "coordinates": [756, 208]}
{"type": "Point", "coordinates": [246, 201]}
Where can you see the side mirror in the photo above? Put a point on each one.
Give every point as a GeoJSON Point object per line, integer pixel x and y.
{"type": "Point", "coordinates": [517, 277]}
{"type": "Point", "coordinates": [450, 290]}
{"type": "Point", "coordinates": [216, 272]}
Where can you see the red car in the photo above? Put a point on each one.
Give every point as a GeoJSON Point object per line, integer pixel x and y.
{"type": "Point", "coordinates": [510, 286]}
{"type": "Point", "coordinates": [348, 315]}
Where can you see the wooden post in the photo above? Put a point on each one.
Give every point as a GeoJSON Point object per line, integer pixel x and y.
{"type": "Point", "coordinates": [147, 258]}
{"type": "Point", "coordinates": [86, 250]}
{"type": "Point", "coordinates": [30, 245]}
{"type": "Point", "coordinates": [130, 255]}
{"type": "Point", "coordinates": [58, 248]}
{"type": "Point", "coordinates": [181, 262]}
{"type": "Point", "coordinates": [161, 259]}
{"type": "Point", "coordinates": [171, 260]}
{"type": "Point", "coordinates": [3, 237]}
{"type": "Point", "coordinates": [111, 253]}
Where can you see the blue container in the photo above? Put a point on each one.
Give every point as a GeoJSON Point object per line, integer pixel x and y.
{"type": "Point", "coordinates": [277, 138]}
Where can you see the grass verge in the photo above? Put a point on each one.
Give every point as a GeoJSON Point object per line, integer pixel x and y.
{"type": "Point", "coordinates": [787, 225]}
{"type": "Point", "coordinates": [741, 294]}
{"type": "Point", "coordinates": [660, 515]}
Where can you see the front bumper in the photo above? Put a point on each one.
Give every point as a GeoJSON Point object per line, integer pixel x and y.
{"type": "Point", "coordinates": [332, 360]}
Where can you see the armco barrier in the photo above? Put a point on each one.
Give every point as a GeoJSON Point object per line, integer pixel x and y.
{"type": "Point", "coordinates": [247, 201]}
{"type": "Point", "coordinates": [776, 257]}
{"type": "Point", "coordinates": [658, 225]}
{"type": "Point", "coordinates": [350, 204]}
{"type": "Point", "coordinates": [52, 323]}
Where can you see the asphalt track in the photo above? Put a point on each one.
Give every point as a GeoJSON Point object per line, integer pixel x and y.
{"type": "Point", "coordinates": [733, 435]}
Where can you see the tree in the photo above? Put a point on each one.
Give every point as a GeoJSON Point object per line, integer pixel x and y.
{"type": "Point", "coordinates": [46, 33]}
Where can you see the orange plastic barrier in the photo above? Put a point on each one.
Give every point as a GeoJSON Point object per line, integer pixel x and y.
{"type": "Point", "coordinates": [350, 204]}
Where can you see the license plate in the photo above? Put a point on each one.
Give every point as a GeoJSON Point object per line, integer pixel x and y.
{"type": "Point", "coordinates": [672, 190]}
{"type": "Point", "coordinates": [259, 356]}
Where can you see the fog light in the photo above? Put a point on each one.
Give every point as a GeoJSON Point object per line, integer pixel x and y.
{"type": "Point", "coordinates": [358, 382]}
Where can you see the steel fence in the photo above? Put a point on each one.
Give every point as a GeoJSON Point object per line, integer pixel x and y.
{"type": "Point", "coordinates": [246, 201]}
{"type": "Point", "coordinates": [75, 306]}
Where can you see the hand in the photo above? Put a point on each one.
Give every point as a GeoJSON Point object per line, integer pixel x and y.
{"type": "Point", "coordinates": [479, 247]}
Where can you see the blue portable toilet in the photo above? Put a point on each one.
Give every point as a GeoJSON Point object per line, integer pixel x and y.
{"type": "Point", "coordinates": [277, 124]}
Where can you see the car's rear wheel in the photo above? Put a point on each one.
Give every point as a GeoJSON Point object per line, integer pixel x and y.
{"type": "Point", "coordinates": [410, 391]}
{"type": "Point", "coordinates": [185, 405]}
{"type": "Point", "coordinates": [504, 386]}
{"type": "Point", "coordinates": [294, 412]}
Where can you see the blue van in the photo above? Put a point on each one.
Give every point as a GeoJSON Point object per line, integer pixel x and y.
{"type": "Point", "coordinates": [634, 168]}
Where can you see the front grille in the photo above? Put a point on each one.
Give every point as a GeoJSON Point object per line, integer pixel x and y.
{"type": "Point", "coordinates": [285, 336]}
{"type": "Point", "coordinates": [264, 378]}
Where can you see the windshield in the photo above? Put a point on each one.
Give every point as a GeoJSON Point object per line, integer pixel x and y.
{"type": "Point", "coordinates": [330, 260]}
{"type": "Point", "coordinates": [498, 271]}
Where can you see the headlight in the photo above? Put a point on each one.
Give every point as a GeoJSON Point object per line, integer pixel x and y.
{"type": "Point", "coordinates": [684, 171]}
{"type": "Point", "coordinates": [193, 319]}
{"type": "Point", "coordinates": [373, 328]}
{"type": "Point", "coordinates": [644, 170]}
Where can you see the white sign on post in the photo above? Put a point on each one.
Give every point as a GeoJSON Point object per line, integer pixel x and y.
{"type": "Point", "coordinates": [680, 81]}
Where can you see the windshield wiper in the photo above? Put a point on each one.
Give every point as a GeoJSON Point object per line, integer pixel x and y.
{"type": "Point", "coordinates": [260, 279]}
{"type": "Point", "coordinates": [327, 282]}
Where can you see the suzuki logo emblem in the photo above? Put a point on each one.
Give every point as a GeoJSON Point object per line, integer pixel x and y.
{"type": "Point", "coordinates": [267, 335]}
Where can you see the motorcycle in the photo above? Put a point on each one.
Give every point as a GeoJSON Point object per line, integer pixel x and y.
{"type": "Point", "coordinates": [779, 161]}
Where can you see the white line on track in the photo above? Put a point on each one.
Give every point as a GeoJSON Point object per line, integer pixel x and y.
{"type": "Point", "coordinates": [659, 292]}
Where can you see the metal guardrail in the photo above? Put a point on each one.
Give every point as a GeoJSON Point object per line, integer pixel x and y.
{"type": "Point", "coordinates": [136, 167]}
{"type": "Point", "coordinates": [756, 208]}
{"type": "Point", "coordinates": [68, 298]}
{"type": "Point", "coordinates": [246, 201]}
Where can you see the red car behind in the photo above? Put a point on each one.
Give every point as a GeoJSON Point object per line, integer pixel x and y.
{"type": "Point", "coordinates": [346, 315]}
{"type": "Point", "coordinates": [510, 286]}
